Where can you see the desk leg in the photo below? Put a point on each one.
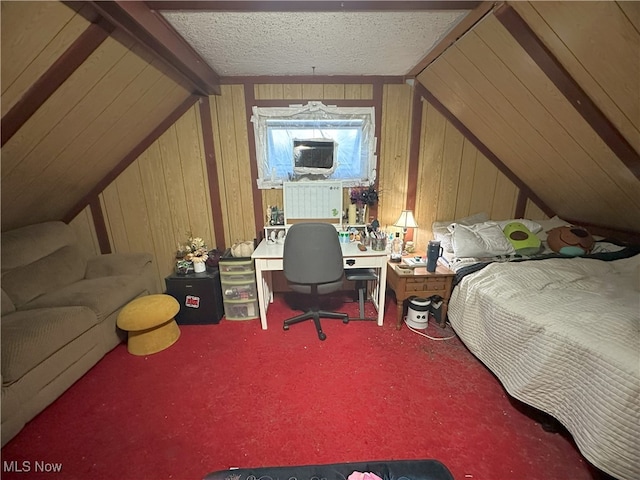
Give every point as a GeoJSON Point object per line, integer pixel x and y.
{"type": "Point", "coordinates": [264, 290]}
{"type": "Point", "coordinates": [382, 290]}
{"type": "Point", "coordinates": [399, 312]}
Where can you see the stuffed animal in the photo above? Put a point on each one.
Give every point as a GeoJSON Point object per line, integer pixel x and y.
{"type": "Point", "coordinates": [524, 242]}
{"type": "Point", "coordinates": [571, 241]}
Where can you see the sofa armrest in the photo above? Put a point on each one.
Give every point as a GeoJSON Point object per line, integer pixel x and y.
{"type": "Point", "coordinates": [117, 264]}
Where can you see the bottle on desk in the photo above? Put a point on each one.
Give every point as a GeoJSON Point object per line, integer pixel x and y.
{"type": "Point", "coordinates": [396, 248]}
{"type": "Point", "coordinates": [434, 250]}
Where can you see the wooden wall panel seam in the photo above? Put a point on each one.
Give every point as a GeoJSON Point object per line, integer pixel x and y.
{"type": "Point", "coordinates": [549, 64]}
{"type": "Point", "coordinates": [132, 156]}
{"type": "Point", "coordinates": [100, 225]}
{"type": "Point", "coordinates": [414, 150]}
{"type": "Point", "coordinates": [521, 204]}
{"type": "Point", "coordinates": [53, 78]}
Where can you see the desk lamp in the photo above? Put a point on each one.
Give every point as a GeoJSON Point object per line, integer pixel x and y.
{"type": "Point", "coordinates": [406, 221]}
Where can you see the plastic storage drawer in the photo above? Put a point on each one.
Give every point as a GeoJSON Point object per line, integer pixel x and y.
{"type": "Point", "coordinates": [235, 310]}
{"type": "Point", "coordinates": [239, 291]}
{"type": "Point", "coordinates": [235, 266]}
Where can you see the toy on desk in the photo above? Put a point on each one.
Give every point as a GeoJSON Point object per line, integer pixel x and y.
{"type": "Point", "coordinates": [274, 216]}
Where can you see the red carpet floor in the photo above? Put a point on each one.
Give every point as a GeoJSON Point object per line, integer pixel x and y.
{"type": "Point", "coordinates": [233, 395]}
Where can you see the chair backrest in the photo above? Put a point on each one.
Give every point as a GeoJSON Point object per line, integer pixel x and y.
{"type": "Point", "coordinates": [312, 254]}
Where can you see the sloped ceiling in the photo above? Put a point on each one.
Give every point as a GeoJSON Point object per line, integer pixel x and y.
{"type": "Point", "coordinates": [86, 85]}
{"type": "Point", "coordinates": [551, 88]}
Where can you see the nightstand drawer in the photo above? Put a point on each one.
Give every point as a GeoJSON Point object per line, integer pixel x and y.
{"type": "Point", "coordinates": [426, 283]}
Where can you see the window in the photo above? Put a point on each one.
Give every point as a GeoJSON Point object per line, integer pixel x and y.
{"type": "Point", "coordinates": [316, 142]}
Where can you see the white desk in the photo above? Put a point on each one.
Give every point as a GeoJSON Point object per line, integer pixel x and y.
{"type": "Point", "coordinates": [268, 258]}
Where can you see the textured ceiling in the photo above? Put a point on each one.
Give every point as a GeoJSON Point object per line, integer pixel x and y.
{"type": "Point", "coordinates": [335, 43]}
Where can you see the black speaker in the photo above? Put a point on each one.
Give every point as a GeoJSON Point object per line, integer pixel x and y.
{"type": "Point", "coordinates": [199, 296]}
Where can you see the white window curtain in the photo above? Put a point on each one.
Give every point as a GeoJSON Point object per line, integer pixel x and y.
{"type": "Point", "coordinates": [351, 128]}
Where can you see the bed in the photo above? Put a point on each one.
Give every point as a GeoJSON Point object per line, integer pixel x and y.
{"type": "Point", "coordinates": [562, 335]}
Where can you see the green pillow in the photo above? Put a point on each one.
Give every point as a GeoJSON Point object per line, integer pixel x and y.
{"type": "Point", "coordinates": [524, 242]}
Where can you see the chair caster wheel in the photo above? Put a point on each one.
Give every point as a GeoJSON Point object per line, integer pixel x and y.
{"type": "Point", "coordinates": [346, 320]}
{"type": "Point", "coordinates": [285, 327]}
{"type": "Point", "coordinates": [322, 336]}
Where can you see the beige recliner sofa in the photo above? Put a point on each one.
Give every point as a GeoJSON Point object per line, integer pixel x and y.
{"type": "Point", "coordinates": [59, 312]}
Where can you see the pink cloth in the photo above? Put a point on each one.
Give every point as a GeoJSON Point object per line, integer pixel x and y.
{"type": "Point", "coordinates": [363, 476]}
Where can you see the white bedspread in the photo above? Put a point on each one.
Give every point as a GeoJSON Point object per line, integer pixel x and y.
{"type": "Point", "coordinates": [563, 335]}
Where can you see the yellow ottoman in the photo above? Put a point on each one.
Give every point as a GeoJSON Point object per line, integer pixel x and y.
{"type": "Point", "coordinates": [150, 323]}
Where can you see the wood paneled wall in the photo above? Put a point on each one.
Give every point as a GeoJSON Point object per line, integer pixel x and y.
{"type": "Point", "coordinates": [599, 44]}
{"type": "Point", "coordinates": [509, 102]}
{"type": "Point", "coordinates": [395, 140]}
{"type": "Point", "coordinates": [87, 126]}
{"type": "Point", "coordinates": [165, 193]}
{"type": "Point", "coordinates": [161, 197]}
{"type": "Point", "coordinates": [229, 123]}
{"type": "Point", "coordinates": [455, 180]}
{"type": "Point", "coordinates": [441, 160]}
{"type": "Point", "coordinates": [34, 35]}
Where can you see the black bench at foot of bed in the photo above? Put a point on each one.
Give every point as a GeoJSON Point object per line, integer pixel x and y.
{"type": "Point", "coordinates": [390, 470]}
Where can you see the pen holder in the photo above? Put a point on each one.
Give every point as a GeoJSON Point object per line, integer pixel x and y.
{"type": "Point", "coordinates": [378, 244]}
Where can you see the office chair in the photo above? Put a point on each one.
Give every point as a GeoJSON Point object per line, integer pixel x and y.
{"type": "Point", "coordinates": [313, 264]}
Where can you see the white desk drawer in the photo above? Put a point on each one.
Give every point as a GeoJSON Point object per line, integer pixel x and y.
{"type": "Point", "coordinates": [271, 263]}
{"type": "Point", "coordinates": [361, 262]}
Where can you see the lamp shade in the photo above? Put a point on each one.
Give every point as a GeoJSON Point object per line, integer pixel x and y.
{"type": "Point", "coordinates": [406, 220]}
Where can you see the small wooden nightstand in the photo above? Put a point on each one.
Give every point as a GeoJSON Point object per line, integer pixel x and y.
{"type": "Point", "coordinates": [419, 283]}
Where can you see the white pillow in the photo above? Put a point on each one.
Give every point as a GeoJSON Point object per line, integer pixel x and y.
{"type": "Point", "coordinates": [480, 240]}
{"type": "Point", "coordinates": [442, 233]}
{"type": "Point", "coordinates": [444, 237]}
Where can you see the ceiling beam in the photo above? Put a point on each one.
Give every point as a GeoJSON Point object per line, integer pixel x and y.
{"type": "Point", "coordinates": [56, 75]}
{"type": "Point", "coordinates": [466, 24]}
{"type": "Point", "coordinates": [567, 85]}
{"type": "Point", "coordinates": [152, 31]}
{"type": "Point", "coordinates": [311, 5]}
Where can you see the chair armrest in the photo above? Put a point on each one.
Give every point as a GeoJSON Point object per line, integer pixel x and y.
{"type": "Point", "coordinates": [117, 264]}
